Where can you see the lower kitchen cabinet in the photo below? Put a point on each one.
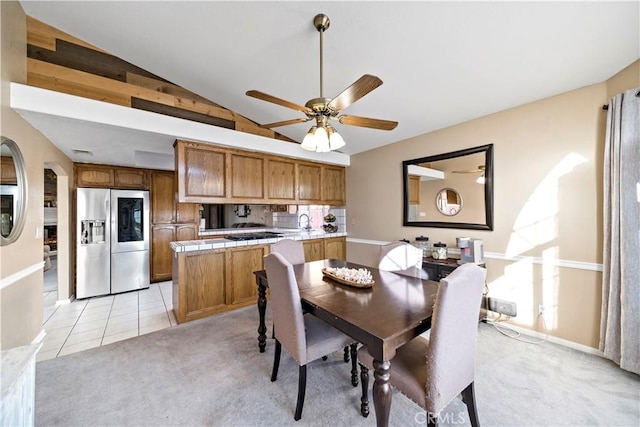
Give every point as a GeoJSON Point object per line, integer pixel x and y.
{"type": "Point", "coordinates": [331, 247]}
{"type": "Point", "coordinates": [212, 281]}
{"type": "Point", "coordinates": [161, 253]}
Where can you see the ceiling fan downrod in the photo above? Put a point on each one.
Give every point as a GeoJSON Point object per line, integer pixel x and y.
{"type": "Point", "coordinates": [321, 22]}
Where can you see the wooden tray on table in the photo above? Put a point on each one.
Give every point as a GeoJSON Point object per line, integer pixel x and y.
{"type": "Point", "coordinates": [355, 284]}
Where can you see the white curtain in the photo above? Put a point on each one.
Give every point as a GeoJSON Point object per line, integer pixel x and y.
{"type": "Point", "coordinates": [620, 320]}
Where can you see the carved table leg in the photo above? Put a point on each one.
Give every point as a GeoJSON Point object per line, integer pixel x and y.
{"type": "Point", "coordinates": [262, 308]}
{"type": "Point", "coordinates": [364, 400]}
{"type": "Point", "coordinates": [381, 392]}
{"type": "Point", "coordinates": [354, 364]}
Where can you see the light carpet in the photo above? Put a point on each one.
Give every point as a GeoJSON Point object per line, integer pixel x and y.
{"type": "Point", "coordinates": [209, 373]}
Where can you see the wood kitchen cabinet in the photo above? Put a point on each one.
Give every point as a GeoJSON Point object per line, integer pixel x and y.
{"type": "Point", "coordinates": [212, 281]}
{"type": "Point", "coordinates": [247, 176]}
{"type": "Point", "coordinates": [313, 249]}
{"type": "Point", "coordinates": [104, 176]}
{"type": "Point", "coordinates": [335, 247]}
{"type": "Point", "coordinates": [213, 174]}
{"type": "Point", "coordinates": [333, 185]}
{"type": "Point", "coordinates": [309, 183]}
{"type": "Point", "coordinates": [281, 180]}
{"type": "Point", "coordinates": [170, 221]}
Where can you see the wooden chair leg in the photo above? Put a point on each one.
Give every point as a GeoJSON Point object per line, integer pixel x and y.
{"type": "Point", "coordinates": [324, 357]}
{"type": "Point", "coordinates": [346, 354]}
{"type": "Point", "coordinates": [364, 400]}
{"type": "Point", "coordinates": [276, 361]}
{"type": "Point", "coordinates": [354, 364]}
{"type": "Point", "coordinates": [302, 385]}
{"type": "Point", "coordinates": [469, 398]}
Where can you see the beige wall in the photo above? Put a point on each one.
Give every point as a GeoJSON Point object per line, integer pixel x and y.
{"type": "Point", "coordinates": [546, 246]}
{"type": "Point", "coordinates": [21, 300]}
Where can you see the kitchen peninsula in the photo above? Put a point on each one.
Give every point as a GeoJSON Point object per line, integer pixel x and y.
{"type": "Point", "coordinates": [215, 274]}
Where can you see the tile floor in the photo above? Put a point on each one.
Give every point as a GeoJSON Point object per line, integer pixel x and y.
{"type": "Point", "coordinates": [93, 322]}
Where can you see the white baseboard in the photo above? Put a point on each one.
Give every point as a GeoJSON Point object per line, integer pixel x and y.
{"type": "Point", "coordinates": [555, 340]}
{"type": "Point", "coordinates": [65, 301]}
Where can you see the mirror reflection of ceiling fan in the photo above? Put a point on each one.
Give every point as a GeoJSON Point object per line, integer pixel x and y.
{"type": "Point", "coordinates": [323, 137]}
{"type": "Point", "coordinates": [480, 169]}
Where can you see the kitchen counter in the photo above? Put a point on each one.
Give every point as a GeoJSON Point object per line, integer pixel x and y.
{"type": "Point", "coordinates": [216, 238]}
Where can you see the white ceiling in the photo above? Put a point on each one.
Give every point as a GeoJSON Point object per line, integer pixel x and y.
{"type": "Point", "coordinates": [442, 63]}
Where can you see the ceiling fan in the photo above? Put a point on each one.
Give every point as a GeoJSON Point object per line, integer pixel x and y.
{"type": "Point", "coordinates": [323, 137]}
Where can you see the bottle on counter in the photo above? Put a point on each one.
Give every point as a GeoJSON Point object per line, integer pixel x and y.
{"type": "Point", "coordinates": [439, 251]}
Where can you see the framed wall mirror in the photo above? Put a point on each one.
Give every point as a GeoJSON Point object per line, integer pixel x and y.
{"type": "Point", "coordinates": [13, 191]}
{"type": "Point", "coordinates": [450, 190]}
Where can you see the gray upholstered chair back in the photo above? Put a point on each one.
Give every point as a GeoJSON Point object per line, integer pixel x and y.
{"type": "Point", "coordinates": [286, 306]}
{"type": "Point", "coordinates": [450, 356]}
{"type": "Point", "coordinates": [291, 250]}
{"type": "Point", "coordinates": [400, 257]}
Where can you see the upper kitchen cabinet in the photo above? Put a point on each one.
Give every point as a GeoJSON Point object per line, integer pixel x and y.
{"type": "Point", "coordinates": [333, 185]}
{"type": "Point", "coordinates": [281, 180]}
{"type": "Point", "coordinates": [247, 176]}
{"type": "Point", "coordinates": [202, 172]}
{"type": "Point", "coordinates": [103, 176]}
{"type": "Point", "coordinates": [213, 174]}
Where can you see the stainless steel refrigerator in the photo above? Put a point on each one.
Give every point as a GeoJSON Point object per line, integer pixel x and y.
{"type": "Point", "coordinates": [112, 241]}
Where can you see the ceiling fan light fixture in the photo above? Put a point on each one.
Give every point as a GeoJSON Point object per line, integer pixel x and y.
{"type": "Point", "coordinates": [335, 140]}
{"type": "Point", "coordinates": [480, 179]}
{"type": "Point", "coordinates": [317, 139]}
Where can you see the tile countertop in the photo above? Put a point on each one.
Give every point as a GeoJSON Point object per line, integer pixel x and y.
{"type": "Point", "coordinates": [215, 238]}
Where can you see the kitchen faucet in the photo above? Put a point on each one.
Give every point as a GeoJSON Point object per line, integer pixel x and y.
{"type": "Point", "coordinates": [308, 226]}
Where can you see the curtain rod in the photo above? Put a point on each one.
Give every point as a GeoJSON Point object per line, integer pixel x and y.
{"type": "Point", "coordinates": [606, 106]}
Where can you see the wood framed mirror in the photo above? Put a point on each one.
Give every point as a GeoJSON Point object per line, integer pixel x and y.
{"type": "Point", "coordinates": [467, 173]}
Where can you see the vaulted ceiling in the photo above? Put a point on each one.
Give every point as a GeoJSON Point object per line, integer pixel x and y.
{"type": "Point", "coordinates": [442, 63]}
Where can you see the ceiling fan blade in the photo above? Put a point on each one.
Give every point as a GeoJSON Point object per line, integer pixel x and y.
{"type": "Point", "coordinates": [284, 123]}
{"type": "Point", "coordinates": [366, 122]}
{"type": "Point", "coordinates": [357, 90]}
{"type": "Point", "coordinates": [270, 98]}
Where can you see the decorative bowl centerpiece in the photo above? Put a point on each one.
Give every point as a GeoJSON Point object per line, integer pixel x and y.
{"type": "Point", "coordinates": [357, 277]}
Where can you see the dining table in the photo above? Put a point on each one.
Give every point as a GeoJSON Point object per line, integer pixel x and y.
{"type": "Point", "coordinates": [383, 317]}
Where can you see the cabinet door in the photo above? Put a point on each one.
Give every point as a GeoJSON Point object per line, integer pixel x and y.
{"type": "Point", "coordinates": [414, 190]}
{"type": "Point", "coordinates": [333, 185]}
{"type": "Point", "coordinates": [247, 176]}
{"type": "Point", "coordinates": [131, 178]}
{"type": "Point", "coordinates": [241, 263]}
{"type": "Point", "coordinates": [201, 172]}
{"type": "Point", "coordinates": [204, 280]}
{"type": "Point", "coordinates": [162, 206]}
{"type": "Point", "coordinates": [280, 180]}
{"type": "Point", "coordinates": [94, 176]}
{"type": "Point", "coordinates": [313, 249]}
{"type": "Point", "coordinates": [309, 182]}
{"type": "Point", "coordinates": [161, 252]}
{"type": "Point", "coordinates": [336, 248]}
{"type": "Point", "coordinates": [186, 232]}
{"type": "Point", "coordinates": [187, 213]}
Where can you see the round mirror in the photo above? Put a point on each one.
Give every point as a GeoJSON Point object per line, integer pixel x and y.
{"type": "Point", "coordinates": [13, 192]}
{"type": "Point", "coordinates": [448, 201]}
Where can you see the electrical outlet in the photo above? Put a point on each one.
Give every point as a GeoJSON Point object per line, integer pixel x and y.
{"type": "Point", "coordinates": [540, 310]}
{"type": "Point", "coordinates": [508, 308]}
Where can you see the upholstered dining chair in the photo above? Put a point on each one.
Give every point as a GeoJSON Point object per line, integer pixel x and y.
{"type": "Point", "coordinates": [305, 336]}
{"type": "Point", "coordinates": [449, 353]}
{"type": "Point", "coordinates": [291, 250]}
{"type": "Point", "coordinates": [400, 257]}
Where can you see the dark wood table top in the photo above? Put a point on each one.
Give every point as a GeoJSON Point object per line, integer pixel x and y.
{"type": "Point", "coordinates": [396, 309]}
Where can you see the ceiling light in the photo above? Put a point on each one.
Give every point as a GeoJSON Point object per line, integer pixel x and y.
{"type": "Point", "coordinates": [322, 139]}
{"type": "Point", "coordinates": [480, 179]}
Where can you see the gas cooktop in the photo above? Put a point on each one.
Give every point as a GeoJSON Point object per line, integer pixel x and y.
{"type": "Point", "coordinates": [254, 236]}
